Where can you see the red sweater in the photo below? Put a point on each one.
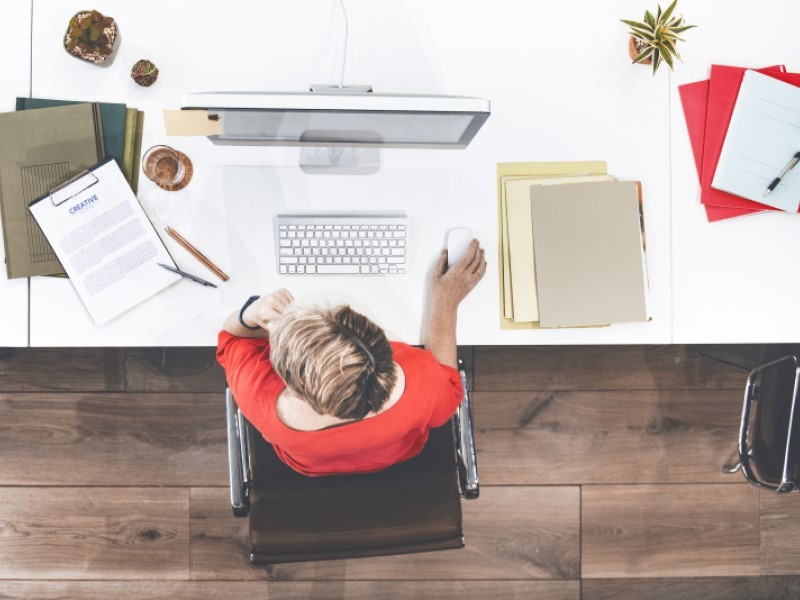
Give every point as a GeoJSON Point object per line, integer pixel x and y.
{"type": "Point", "coordinates": [431, 396]}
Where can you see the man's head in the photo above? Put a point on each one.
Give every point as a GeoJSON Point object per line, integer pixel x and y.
{"type": "Point", "coordinates": [335, 359]}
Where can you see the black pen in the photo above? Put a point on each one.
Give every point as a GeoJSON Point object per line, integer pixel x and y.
{"type": "Point", "coordinates": [782, 174]}
{"type": "Point", "coordinates": [187, 275]}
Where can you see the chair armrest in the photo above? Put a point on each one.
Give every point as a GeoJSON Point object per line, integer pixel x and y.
{"type": "Point", "coordinates": [751, 396]}
{"type": "Point", "coordinates": [465, 443]}
{"type": "Point", "coordinates": [238, 458]}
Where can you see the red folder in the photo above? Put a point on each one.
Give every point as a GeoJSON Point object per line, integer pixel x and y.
{"type": "Point", "coordinates": [722, 92]}
{"type": "Point", "coordinates": [694, 98]}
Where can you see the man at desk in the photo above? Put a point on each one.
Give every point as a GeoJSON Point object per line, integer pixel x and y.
{"type": "Point", "coordinates": [329, 391]}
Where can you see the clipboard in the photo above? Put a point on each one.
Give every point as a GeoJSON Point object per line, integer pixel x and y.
{"type": "Point", "coordinates": [104, 240]}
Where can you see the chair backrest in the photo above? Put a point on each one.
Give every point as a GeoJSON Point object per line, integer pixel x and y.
{"type": "Point", "coordinates": [769, 440]}
{"type": "Point", "coordinates": [410, 507]}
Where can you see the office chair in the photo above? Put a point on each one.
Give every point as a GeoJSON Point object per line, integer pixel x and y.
{"type": "Point", "coordinates": [769, 448]}
{"type": "Point", "coordinates": [410, 507]}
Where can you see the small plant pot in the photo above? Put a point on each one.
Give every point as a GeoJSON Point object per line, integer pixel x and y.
{"type": "Point", "coordinates": [95, 52]}
{"type": "Point", "coordinates": [634, 49]}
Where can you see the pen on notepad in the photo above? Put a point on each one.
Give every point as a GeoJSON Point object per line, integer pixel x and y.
{"type": "Point", "coordinates": [196, 253]}
{"type": "Point", "coordinates": [782, 174]}
{"type": "Point", "coordinates": [189, 276]}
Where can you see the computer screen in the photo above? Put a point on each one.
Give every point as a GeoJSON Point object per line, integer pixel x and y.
{"type": "Point", "coordinates": [366, 119]}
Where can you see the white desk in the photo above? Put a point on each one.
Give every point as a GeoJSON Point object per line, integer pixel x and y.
{"type": "Point", "coordinates": [562, 88]}
{"type": "Point", "coordinates": [15, 82]}
{"type": "Point", "coordinates": [587, 104]}
{"type": "Point", "coordinates": [736, 280]}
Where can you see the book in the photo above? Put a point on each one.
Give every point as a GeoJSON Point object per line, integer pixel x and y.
{"type": "Point", "coordinates": [40, 149]}
{"type": "Point", "coordinates": [722, 93]}
{"type": "Point", "coordinates": [525, 305]}
{"type": "Point", "coordinates": [113, 116]}
{"type": "Point", "coordinates": [137, 151]}
{"type": "Point", "coordinates": [128, 143]}
{"type": "Point", "coordinates": [527, 169]}
{"type": "Point", "coordinates": [105, 241]}
{"type": "Point", "coordinates": [588, 247]}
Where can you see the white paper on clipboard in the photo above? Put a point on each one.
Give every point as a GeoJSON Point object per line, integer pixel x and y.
{"type": "Point", "coordinates": [105, 241]}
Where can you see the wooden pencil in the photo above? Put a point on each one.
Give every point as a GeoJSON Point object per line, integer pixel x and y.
{"type": "Point", "coordinates": [196, 253]}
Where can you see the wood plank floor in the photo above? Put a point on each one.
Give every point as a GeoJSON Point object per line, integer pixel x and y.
{"type": "Point", "coordinates": [600, 467]}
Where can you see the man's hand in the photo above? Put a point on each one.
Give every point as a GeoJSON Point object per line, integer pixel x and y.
{"type": "Point", "coordinates": [268, 308]}
{"type": "Point", "coordinates": [451, 286]}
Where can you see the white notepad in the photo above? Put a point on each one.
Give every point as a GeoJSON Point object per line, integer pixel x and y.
{"type": "Point", "coordinates": [763, 135]}
{"type": "Point", "coordinates": [105, 242]}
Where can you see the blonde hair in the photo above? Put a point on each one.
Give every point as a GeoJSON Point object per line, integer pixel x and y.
{"type": "Point", "coordinates": [335, 359]}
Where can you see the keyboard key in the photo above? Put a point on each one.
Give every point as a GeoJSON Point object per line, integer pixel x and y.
{"type": "Point", "coordinates": [338, 269]}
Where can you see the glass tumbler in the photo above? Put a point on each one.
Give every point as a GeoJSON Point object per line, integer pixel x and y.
{"type": "Point", "coordinates": [163, 166]}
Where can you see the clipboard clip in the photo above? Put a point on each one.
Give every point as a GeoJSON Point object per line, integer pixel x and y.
{"type": "Point", "coordinates": [72, 187]}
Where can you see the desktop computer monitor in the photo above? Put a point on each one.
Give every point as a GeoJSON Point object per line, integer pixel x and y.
{"type": "Point", "coordinates": [362, 119]}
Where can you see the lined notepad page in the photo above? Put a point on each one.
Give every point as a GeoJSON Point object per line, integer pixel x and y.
{"type": "Point", "coordinates": [763, 135]}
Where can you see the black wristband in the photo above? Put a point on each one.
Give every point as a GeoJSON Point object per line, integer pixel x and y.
{"type": "Point", "coordinates": [250, 300]}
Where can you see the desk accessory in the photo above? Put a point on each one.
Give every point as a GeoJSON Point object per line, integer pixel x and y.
{"type": "Point", "coordinates": [40, 149]}
{"type": "Point", "coordinates": [196, 253]}
{"type": "Point", "coordinates": [105, 241]}
{"type": "Point", "coordinates": [654, 39]}
{"type": "Point", "coordinates": [144, 72]}
{"type": "Point", "coordinates": [458, 241]}
{"type": "Point", "coordinates": [791, 165]}
{"type": "Point", "coordinates": [188, 276]}
{"type": "Point", "coordinates": [90, 36]}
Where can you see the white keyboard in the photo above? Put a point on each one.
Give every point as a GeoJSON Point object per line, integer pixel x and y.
{"type": "Point", "coordinates": [372, 244]}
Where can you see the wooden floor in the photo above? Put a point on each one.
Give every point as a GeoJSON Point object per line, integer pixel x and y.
{"type": "Point", "coordinates": [600, 470]}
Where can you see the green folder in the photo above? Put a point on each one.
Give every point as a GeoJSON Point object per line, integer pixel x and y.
{"type": "Point", "coordinates": [113, 116]}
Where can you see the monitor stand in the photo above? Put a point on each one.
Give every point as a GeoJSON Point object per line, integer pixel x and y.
{"type": "Point", "coordinates": [336, 159]}
{"type": "Point", "coordinates": [339, 160]}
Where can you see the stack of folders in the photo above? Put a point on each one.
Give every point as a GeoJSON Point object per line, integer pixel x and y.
{"type": "Point", "coordinates": [743, 127]}
{"type": "Point", "coordinates": [572, 250]}
{"type": "Point", "coordinates": [43, 145]}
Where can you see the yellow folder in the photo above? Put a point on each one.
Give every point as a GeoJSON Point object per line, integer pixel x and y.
{"type": "Point", "coordinates": [535, 170]}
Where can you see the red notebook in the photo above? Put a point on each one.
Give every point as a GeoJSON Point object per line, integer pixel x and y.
{"type": "Point", "coordinates": [694, 99]}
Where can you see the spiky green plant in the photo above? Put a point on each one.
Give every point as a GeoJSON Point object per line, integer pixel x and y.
{"type": "Point", "coordinates": [657, 36]}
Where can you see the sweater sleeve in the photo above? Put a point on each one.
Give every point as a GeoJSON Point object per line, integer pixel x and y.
{"type": "Point", "coordinates": [449, 394]}
{"type": "Point", "coordinates": [248, 371]}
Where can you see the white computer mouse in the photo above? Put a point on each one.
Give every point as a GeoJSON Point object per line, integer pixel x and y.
{"type": "Point", "coordinates": [458, 240]}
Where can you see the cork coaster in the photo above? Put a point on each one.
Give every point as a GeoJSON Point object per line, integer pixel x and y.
{"type": "Point", "coordinates": [189, 170]}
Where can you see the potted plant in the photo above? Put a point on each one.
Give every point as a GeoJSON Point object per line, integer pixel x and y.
{"type": "Point", "coordinates": [654, 39]}
{"type": "Point", "coordinates": [90, 36]}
